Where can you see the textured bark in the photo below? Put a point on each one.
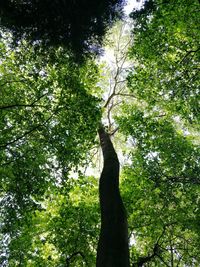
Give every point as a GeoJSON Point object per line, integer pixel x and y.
{"type": "Point", "coordinates": [113, 248]}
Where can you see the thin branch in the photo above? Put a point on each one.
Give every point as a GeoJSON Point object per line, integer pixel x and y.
{"type": "Point", "coordinates": [122, 81]}
{"type": "Point", "coordinates": [181, 179]}
{"type": "Point", "coordinates": [188, 53]}
{"type": "Point", "coordinates": [156, 252]}
{"type": "Point", "coordinates": [113, 94]}
{"type": "Point", "coordinates": [114, 131]}
{"type": "Point", "coordinates": [109, 114]}
{"type": "Point", "coordinates": [179, 261]}
{"type": "Point", "coordinates": [109, 99]}
{"type": "Point", "coordinates": [118, 71]}
{"type": "Point", "coordinates": [25, 105]}
{"type": "Point", "coordinates": [163, 261]}
{"type": "Point", "coordinates": [21, 105]}
{"type": "Point", "coordinates": [74, 255]}
{"type": "Point", "coordinates": [26, 133]}
{"type": "Point", "coordinates": [126, 95]}
{"type": "Point", "coordinates": [35, 101]}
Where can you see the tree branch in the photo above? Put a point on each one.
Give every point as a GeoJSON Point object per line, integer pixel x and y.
{"type": "Point", "coordinates": [21, 105]}
{"type": "Point", "coordinates": [156, 252]}
{"type": "Point", "coordinates": [188, 53]}
{"type": "Point", "coordinates": [69, 258]}
{"type": "Point", "coordinates": [26, 133]}
{"type": "Point", "coordinates": [25, 105]}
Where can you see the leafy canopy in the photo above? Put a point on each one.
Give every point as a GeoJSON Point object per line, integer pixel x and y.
{"type": "Point", "coordinates": [48, 124]}
{"type": "Point", "coordinates": [48, 120]}
{"type": "Point", "coordinates": [161, 184]}
{"type": "Point", "coordinates": [77, 25]}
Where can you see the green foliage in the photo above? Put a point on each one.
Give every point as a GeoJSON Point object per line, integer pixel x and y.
{"type": "Point", "coordinates": [162, 215]}
{"type": "Point", "coordinates": [166, 54]}
{"type": "Point", "coordinates": [64, 232]}
{"type": "Point", "coordinates": [48, 124]}
{"type": "Point", "coordinates": [161, 189]}
{"type": "Point", "coordinates": [161, 185]}
{"type": "Point", "coordinates": [49, 114]}
{"type": "Point", "coordinates": [77, 25]}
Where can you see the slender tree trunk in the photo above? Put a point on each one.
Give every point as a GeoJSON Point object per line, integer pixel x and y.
{"type": "Point", "coordinates": [113, 248]}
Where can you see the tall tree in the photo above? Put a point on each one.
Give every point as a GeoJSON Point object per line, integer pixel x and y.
{"type": "Point", "coordinates": [113, 242]}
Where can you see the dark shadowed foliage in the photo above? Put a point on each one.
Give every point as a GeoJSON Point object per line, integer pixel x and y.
{"type": "Point", "coordinates": [78, 25]}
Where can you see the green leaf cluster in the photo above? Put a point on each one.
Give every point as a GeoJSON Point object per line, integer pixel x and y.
{"type": "Point", "coordinates": [48, 122]}
{"type": "Point", "coordinates": [161, 182]}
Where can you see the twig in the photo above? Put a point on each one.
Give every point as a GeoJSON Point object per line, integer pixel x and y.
{"type": "Point", "coordinates": [27, 132]}
{"type": "Point", "coordinates": [188, 53]}
{"type": "Point", "coordinates": [20, 105]}
{"type": "Point", "coordinates": [25, 105]}
{"type": "Point", "coordinates": [69, 258]}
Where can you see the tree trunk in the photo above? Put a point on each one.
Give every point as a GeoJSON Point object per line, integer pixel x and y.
{"type": "Point", "coordinates": [113, 248]}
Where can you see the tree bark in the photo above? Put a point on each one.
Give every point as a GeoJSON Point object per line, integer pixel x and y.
{"type": "Point", "coordinates": [113, 250]}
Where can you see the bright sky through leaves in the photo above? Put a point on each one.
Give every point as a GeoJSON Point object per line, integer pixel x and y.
{"type": "Point", "coordinates": [131, 4]}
